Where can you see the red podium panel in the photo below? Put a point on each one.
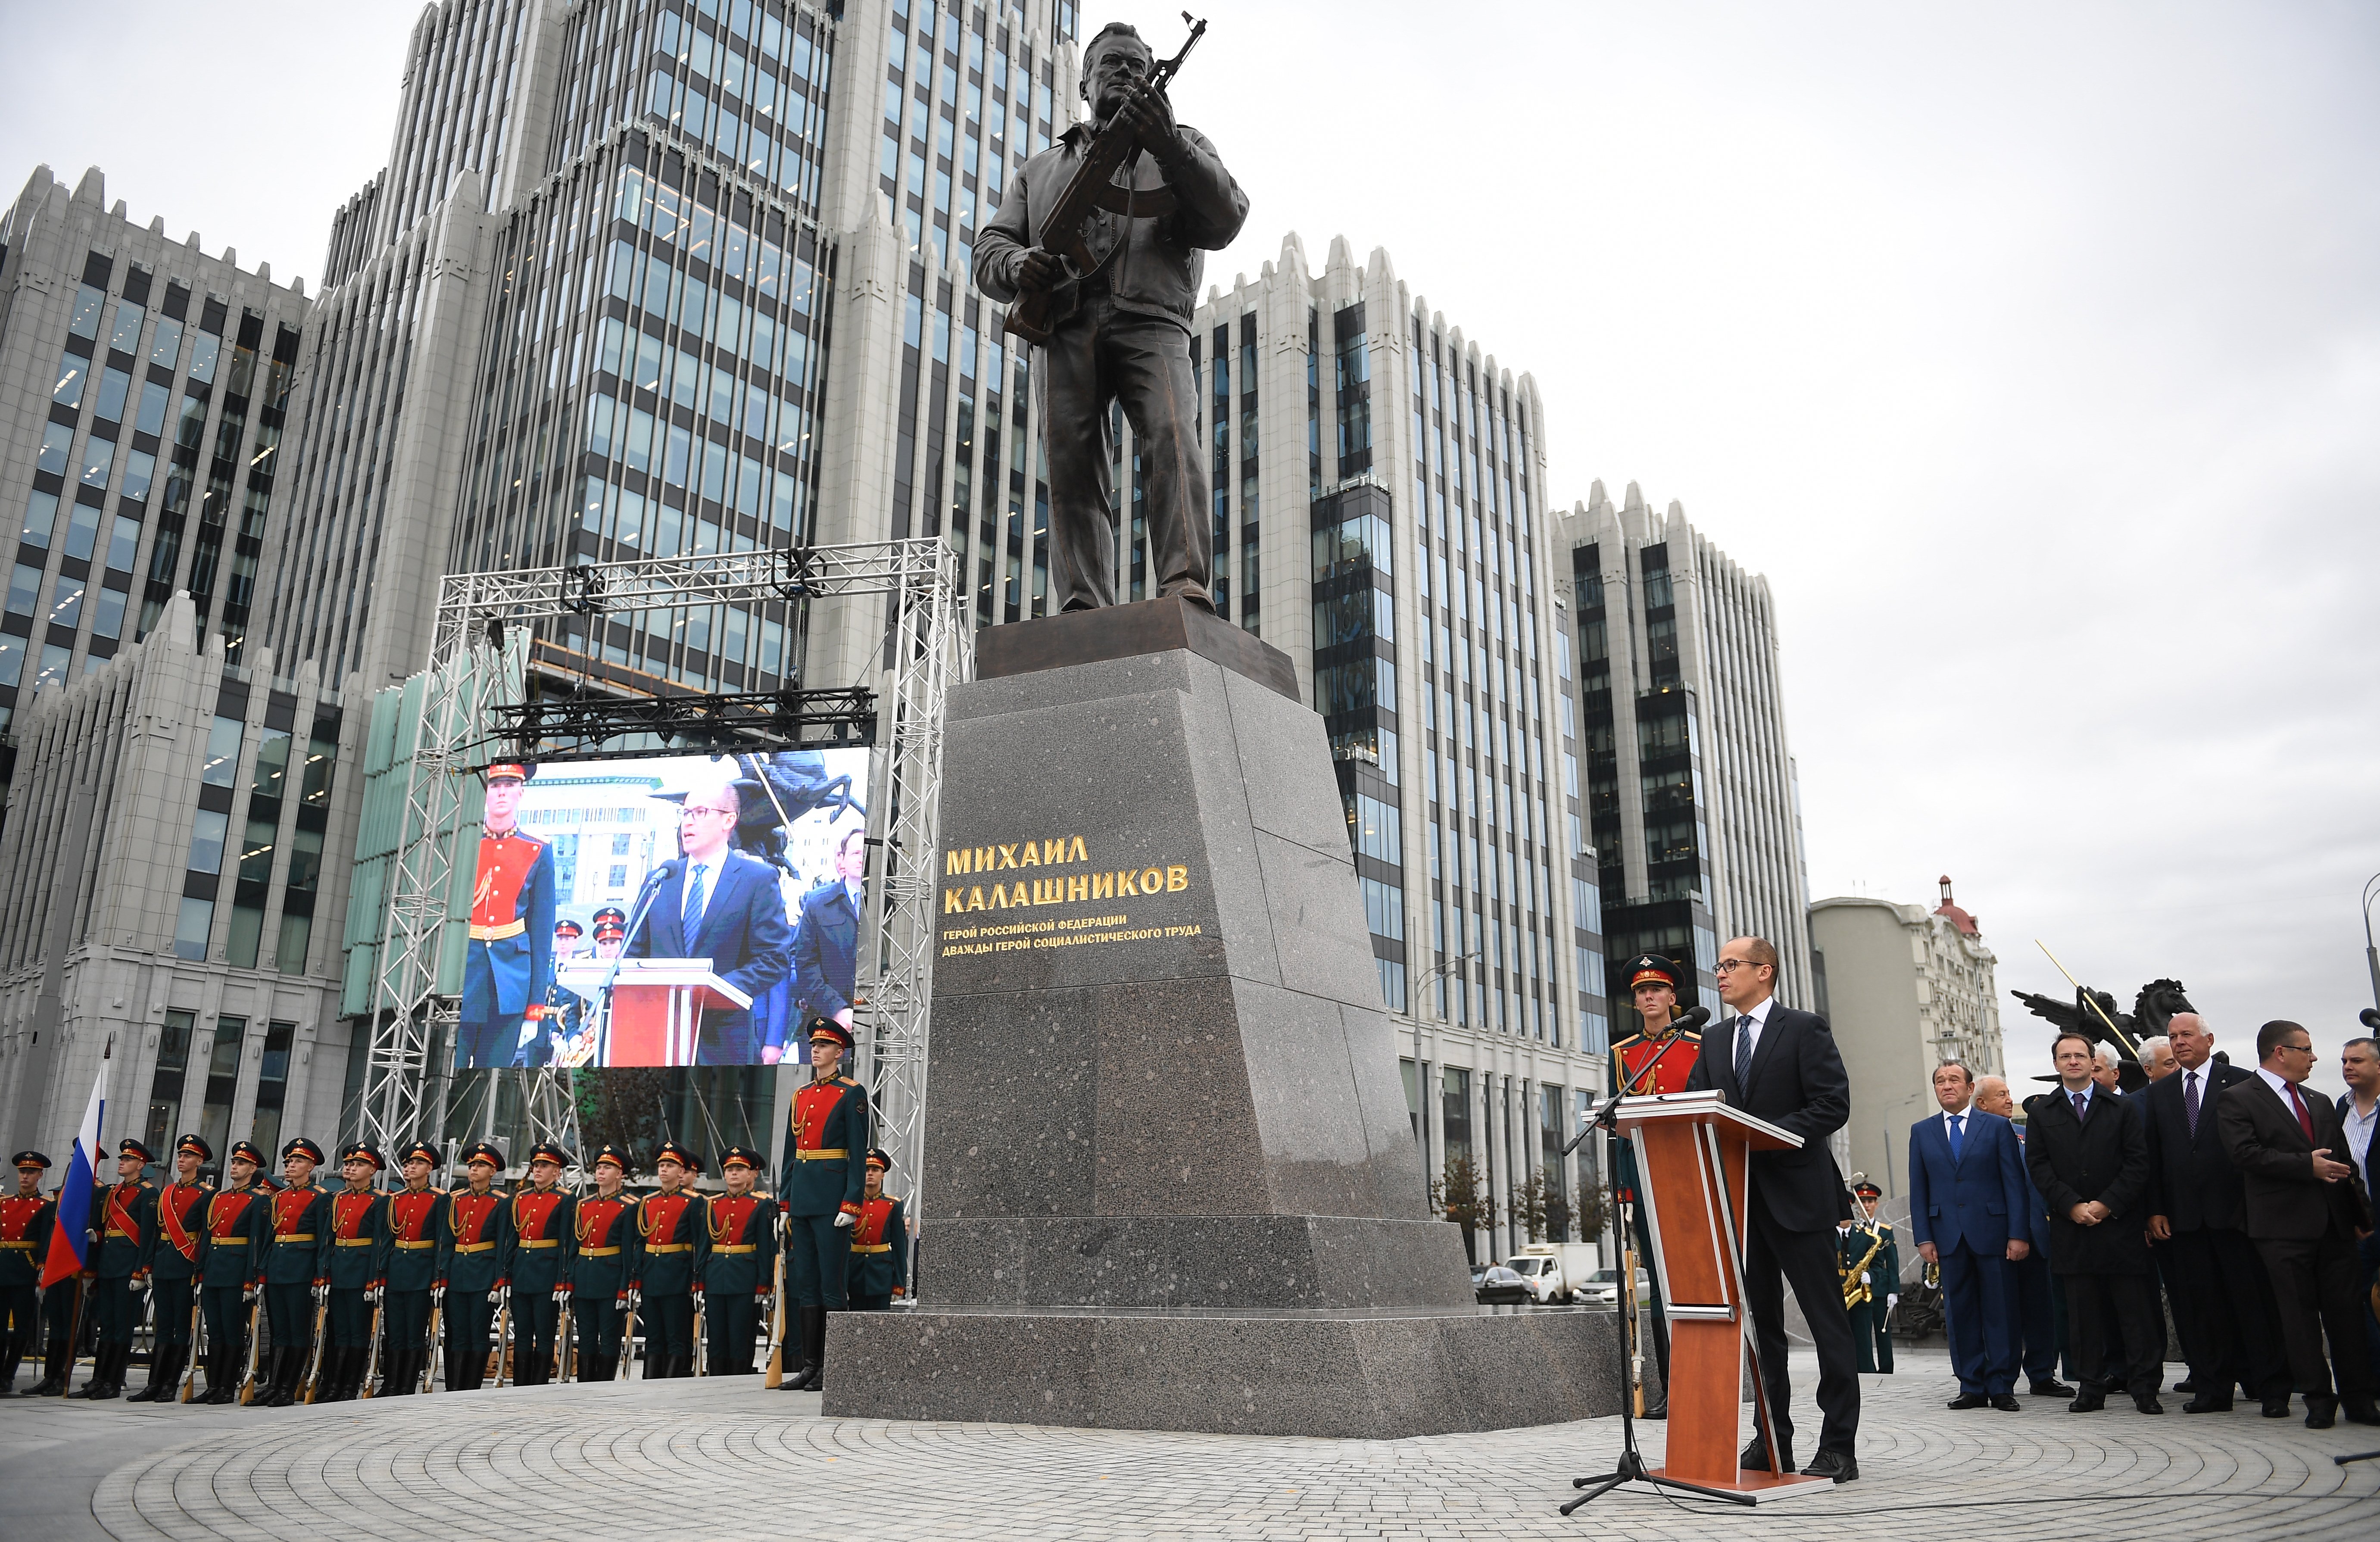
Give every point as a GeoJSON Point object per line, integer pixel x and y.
{"type": "Point", "coordinates": [655, 1013]}
{"type": "Point", "coordinates": [1692, 1151]}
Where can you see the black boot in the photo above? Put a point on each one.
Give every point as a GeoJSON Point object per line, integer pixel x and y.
{"type": "Point", "coordinates": [8, 1365]}
{"type": "Point", "coordinates": [817, 1351]}
{"type": "Point", "coordinates": [797, 1352]}
{"type": "Point", "coordinates": [56, 1368]}
{"type": "Point", "coordinates": [161, 1359]}
{"type": "Point", "coordinates": [682, 1365]}
{"type": "Point", "coordinates": [101, 1386]}
{"type": "Point", "coordinates": [391, 1375]}
{"type": "Point", "coordinates": [288, 1366]}
{"type": "Point", "coordinates": [217, 1376]}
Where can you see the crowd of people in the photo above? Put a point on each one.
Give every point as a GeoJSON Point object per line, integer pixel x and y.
{"type": "Point", "coordinates": [420, 1281]}
{"type": "Point", "coordinates": [2238, 1196]}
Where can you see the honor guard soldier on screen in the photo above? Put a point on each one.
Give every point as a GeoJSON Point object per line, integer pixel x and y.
{"type": "Point", "coordinates": [233, 1231]}
{"type": "Point", "coordinates": [739, 1270]}
{"type": "Point", "coordinates": [297, 1263]}
{"type": "Point", "coordinates": [879, 1243]}
{"type": "Point", "coordinates": [823, 1181]}
{"type": "Point", "coordinates": [603, 1227]}
{"type": "Point", "coordinates": [128, 1239]}
{"type": "Point", "coordinates": [476, 1248]}
{"type": "Point", "coordinates": [417, 1220]}
{"type": "Point", "coordinates": [509, 959]}
{"type": "Point", "coordinates": [672, 1234]}
{"type": "Point", "coordinates": [181, 1221]}
{"type": "Point", "coordinates": [26, 1219]}
{"type": "Point", "coordinates": [542, 1243]}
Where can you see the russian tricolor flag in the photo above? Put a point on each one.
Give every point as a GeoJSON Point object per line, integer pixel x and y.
{"type": "Point", "coordinates": [73, 1235]}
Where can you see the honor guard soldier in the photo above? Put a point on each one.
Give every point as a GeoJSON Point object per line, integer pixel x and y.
{"type": "Point", "coordinates": [27, 1217]}
{"type": "Point", "coordinates": [544, 1241]}
{"type": "Point", "coordinates": [297, 1270]}
{"type": "Point", "coordinates": [181, 1224]}
{"type": "Point", "coordinates": [823, 1184]}
{"type": "Point", "coordinates": [879, 1243]}
{"type": "Point", "coordinates": [477, 1247]}
{"type": "Point", "coordinates": [417, 1216]}
{"type": "Point", "coordinates": [127, 1242]}
{"type": "Point", "coordinates": [359, 1253]}
{"type": "Point", "coordinates": [739, 1270]}
{"type": "Point", "coordinates": [673, 1240]}
{"type": "Point", "coordinates": [1870, 1266]}
{"type": "Point", "coordinates": [1655, 1060]}
{"type": "Point", "coordinates": [509, 959]}
{"type": "Point", "coordinates": [235, 1229]}
{"type": "Point", "coordinates": [602, 1263]}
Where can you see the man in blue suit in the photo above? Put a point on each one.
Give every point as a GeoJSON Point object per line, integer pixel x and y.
{"type": "Point", "coordinates": [1967, 1203]}
{"type": "Point", "coordinates": [826, 953]}
{"type": "Point", "coordinates": [718, 903]}
{"type": "Point", "coordinates": [2037, 1294]}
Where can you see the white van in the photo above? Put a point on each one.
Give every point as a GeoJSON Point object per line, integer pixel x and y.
{"type": "Point", "coordinates": [1554, 1271]}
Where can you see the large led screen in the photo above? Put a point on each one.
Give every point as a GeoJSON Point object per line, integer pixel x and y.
{"type": "Point", "coordinates": [672, 911]}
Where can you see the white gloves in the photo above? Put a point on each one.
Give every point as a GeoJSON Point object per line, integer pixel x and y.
{"type": "Point", "coordinates": [843, 1217]}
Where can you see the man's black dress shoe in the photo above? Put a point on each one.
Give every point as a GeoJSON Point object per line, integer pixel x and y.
{"type": "Point", "coordinates": [2053, 1387]}
{"type": "Point", "coordinates": [2362, 1411]}
{"type": "Point", "coordinates": [2207, 1402]}
{"type": "Point", "coordinates": [1840, 1465]}
{"type": "Point", "coordinates": [2321, 1412]}
{"type": "Point", "coordinates": [2088, 1400]}
{"type": "Point", "coordinates": [1754, 1458]}
{"type": "Point", "coordinates": [2005, 1402]}
{"type": "Point", "coordinates": [1970, 1400]}
{"type": "Point", "coordinates": [2147, 1404]}
{"type": "Point", "coordinates": [2277, 1406]}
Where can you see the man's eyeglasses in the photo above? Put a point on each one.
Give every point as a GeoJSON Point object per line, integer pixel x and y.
{"type": "Point", "coordinates": [2296, 1049]}
{"type": "Point", "coordinates": [1729, 966]}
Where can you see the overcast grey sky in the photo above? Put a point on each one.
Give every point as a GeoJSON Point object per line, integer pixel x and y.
{"type": "Point", "coordinates": [2032, 351]}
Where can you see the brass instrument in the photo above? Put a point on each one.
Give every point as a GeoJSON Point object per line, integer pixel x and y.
{"type": "Point", "coordinates": [1932, 1276]}
{"type": "Point", "coordinates": [1856, 1288]}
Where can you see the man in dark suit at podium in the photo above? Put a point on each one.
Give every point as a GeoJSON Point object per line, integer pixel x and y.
{"type": "Point", "coordinates": [717, 903]}
{"type": "Point", "coordinates": [1782, 1065]}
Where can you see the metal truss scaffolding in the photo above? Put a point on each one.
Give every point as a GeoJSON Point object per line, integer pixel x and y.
{"type": "Point", "coordinates": [475, 710]}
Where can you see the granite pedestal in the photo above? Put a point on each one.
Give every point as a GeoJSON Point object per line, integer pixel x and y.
{"type": "Point", "coordinates": [1169, 1177]}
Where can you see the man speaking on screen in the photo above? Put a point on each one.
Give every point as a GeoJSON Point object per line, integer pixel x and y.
{"type": "Point", "coordinates": [715, 903]}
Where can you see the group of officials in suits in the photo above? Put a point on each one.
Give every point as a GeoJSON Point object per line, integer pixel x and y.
{"type": "Point", "coordinates": [712, 901]}
{"type": "Point", "coordinates": [2249, 1194]}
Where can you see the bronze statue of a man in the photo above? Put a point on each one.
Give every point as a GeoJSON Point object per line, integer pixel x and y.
{"type": "Point", "coordinates": [1121, 331]}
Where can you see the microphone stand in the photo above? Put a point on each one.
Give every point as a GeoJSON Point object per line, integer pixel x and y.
{"type": "Point", "coordinates": [1631, 1467]}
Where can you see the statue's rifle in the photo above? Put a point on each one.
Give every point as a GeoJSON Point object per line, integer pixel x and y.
{"type": "Point", "coordinates": [2080, 991]}
{"type": "Point", "coordinates": [1090, 189]}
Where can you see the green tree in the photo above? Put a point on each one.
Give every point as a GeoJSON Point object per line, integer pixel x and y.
{"type": "Point", "coordinates": [1460, 1194]}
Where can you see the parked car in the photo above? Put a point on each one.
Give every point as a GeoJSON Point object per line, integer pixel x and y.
{"type": "Point", "coordinates": [1554, 1271]}
{"type": "Point", "coordinates": [1602, 1288]}
{"type": "Point", "coordinates": [1500, 1286]}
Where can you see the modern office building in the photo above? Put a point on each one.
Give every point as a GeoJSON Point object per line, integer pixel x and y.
{"type": "Point", "coordinates": [648, 278]}
{"type": "Point", "coordinates": [1906, 989]}
{"type": "Point", "coordinates": [1381, 516]}
{"type": "Point", "coordinates": [1691, 802]}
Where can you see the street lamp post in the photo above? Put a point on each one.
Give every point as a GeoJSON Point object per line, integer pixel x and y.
{"type": "Point", "coordinates": [2370, 954]}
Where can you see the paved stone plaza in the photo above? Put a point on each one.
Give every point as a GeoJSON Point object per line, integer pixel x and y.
{"type": "Point", "coordinates": [690, 1459]}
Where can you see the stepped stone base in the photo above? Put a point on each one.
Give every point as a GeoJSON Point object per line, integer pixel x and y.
{"type": "Point", "coordinates": [1348, 1376]}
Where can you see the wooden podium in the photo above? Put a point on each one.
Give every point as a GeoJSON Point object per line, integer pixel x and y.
{"type": "Point", "coordinates": [655, 1014]}
{"type": "Point", "coordinates": [1692, 1153]}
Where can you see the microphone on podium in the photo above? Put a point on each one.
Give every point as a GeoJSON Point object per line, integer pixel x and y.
{"type": "Point", "coordinates": [1694, 1018]}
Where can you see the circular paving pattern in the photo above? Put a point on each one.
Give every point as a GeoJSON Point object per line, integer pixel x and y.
{"type": "Point", "coordinates": [685, 1459]}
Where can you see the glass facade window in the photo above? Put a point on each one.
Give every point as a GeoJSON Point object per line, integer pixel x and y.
{"type": "Point", "coordinates": [221, 763]}
{"type": "Point", "coordinates": [41, 517]}
{"type": "Point", "coordinates": [73, 375]}
{"type": "Point", "coordinates": [165, 1084]}
{"type": "Point", "coordinates": [224, 1055]}
{"type": "Point", "coordinates": [207, 838]}
{"type": "Point", "coordinates": [57, 443]}
{"type": "Point", "coordinates": [192, 926]}
{"type": "Point", "coordinates": [89, 304]}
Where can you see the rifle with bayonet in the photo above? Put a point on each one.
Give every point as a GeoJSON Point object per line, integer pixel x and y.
{"type": "Point", "coordinates": [1090, 189]}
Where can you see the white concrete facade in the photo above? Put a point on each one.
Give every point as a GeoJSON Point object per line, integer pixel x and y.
{"type": "Point", "coordinates": [1906, 989]}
